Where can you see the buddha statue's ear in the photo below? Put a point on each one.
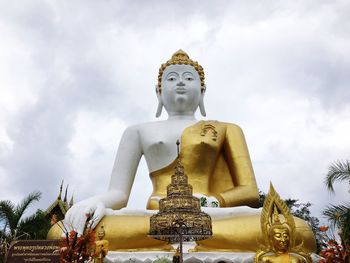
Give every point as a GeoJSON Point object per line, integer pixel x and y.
{"type": "Point", "coordinates": [160, 102]}
{"type": "Point", "coordinates": [201, 102]}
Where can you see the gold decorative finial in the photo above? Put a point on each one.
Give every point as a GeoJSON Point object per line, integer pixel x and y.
{"type": "Point", "coordinates": [180, 57]}
{"type": "Point", "coordinates": [180, 211]}
{"type": "Point", "coordinates": [65, 195]}
{"type": "Point", "coordinates": [71, 202]}
{"type": "Point", "coordinates": [60, 194]}
{"type": "Point", "coordinates": [178, 148]}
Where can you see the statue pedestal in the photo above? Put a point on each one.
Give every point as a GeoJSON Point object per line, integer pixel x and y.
{"type": "Point", "coordinates": [193, 257]}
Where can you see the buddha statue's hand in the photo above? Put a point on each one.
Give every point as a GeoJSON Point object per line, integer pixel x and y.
{"type": "Point", "coordinates": [83, 213]}
{"type": "Point", "coordinates": [208, 201]}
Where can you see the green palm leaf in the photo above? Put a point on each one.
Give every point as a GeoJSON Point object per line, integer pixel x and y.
{"type": "Point", "coordinates": [10, 215]}
{"type": "Point", "coordinates": [26, 202]}
{"type": "Point", "coordinates": [338, 171]}
{"type": "Point", "coordinates": [7, 215]}
{"type": "Point", "coordinates": [336, 214]}
{"type": "Point", "coordinates": [35, 225]}
{"type": "Point", "coordinates": [339, 215]}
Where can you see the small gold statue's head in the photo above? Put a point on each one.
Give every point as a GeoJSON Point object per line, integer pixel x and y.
{"type": "Point", "coordinates": [180, 57]}
{"type": "Point", "coordinates": [279, 237]}
{"type": "Point", "coordinates": [101, 233]}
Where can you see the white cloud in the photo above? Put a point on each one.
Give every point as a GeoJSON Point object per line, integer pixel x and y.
{"type": "Point", "coordinates": [73, 75]}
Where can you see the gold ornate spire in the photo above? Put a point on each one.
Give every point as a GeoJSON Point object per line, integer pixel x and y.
{"type": "Point", "coordinates": [60, 193]}
{"type": "Point", "coordinates": [180, 57]}
{"type": "Point", "coordinates": [71, 202]}
{"type": "Point", "coordinates": [65, 194]}
{"type": "Point", "coordinates": [180, 211]}
{"type": "Point", "coordinates": [59, 207]}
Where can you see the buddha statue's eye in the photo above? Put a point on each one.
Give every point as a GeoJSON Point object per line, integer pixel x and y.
{"type": "Point", "coordinates": [171, 79]}
{"type": "Point", "coordinates": [188, 76]}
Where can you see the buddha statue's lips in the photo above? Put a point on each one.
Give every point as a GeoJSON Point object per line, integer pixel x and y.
{"type": "Point", "coordinates": [180, 91]}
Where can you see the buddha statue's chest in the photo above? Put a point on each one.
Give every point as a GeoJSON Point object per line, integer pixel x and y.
{"type": "Point", "coordinates": [206, 136]}
{"type": "Point", "coordinates": [159, 141]}
{"type": "Point", "coordinates": [159, 144]}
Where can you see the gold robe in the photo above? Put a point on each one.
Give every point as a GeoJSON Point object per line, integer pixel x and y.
{"type": "Point", "coordinates": [217, 163]}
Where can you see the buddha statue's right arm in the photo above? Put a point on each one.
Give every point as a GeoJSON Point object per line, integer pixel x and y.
{"type": "Point", "coordinates": [126, 162]}
{"type": "Point", "coordinates": [245, 191]}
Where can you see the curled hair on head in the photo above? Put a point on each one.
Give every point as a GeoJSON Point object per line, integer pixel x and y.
{"type": "Point", "coordinates": [180, 57]}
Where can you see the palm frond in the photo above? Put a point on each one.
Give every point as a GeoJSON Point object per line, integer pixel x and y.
{"type": "Point", "coordinates": [7, 213]}
{"type": "Point", "coordinates": [36, 225]}
{"type": "Point", "coordinates": [338, 171]}
{"type": "Point", "coordinates": [337, 214]}
{"type": "Point", "coordinates": [26, 202]}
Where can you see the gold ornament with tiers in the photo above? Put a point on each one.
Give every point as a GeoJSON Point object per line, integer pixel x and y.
{"type": "Point", "coordinates": [214, 155]}
{"type": "Point", "coordinates": [180, 218]}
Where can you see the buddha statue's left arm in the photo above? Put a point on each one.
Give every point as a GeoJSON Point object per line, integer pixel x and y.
{"type": "Point", "coordinates": [245, 191]}
{"type": "Point", "coordinates": [123, 174]}
{"type": "Point", "coordinates": [125, 166]}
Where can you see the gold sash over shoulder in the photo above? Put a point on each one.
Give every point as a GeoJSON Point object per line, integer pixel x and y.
{"type": "Point", "coordinates": [217, 162]}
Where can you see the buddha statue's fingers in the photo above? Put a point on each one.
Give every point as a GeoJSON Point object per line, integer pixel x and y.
{"type": "Point", "coordinates": [81, 215]}
{"type": "Point", "coordinates": [208, 201]}
{"type": "Point", "coordinates": [75, 219]}
{"type": "Point", "coordinates": [98, 214]}
{"type": "Point", "coordinates": [213, 201]}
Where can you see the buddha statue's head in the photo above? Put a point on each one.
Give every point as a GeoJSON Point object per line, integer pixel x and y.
{"type": "Point", "coordinates": [279, 237]}
{"type": "Point", "coordinates": [180, 88]}
{"type": "Point", "coordinates": [101, 233]}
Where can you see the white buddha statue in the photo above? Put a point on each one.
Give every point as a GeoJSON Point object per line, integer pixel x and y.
{"type": "Point", "coordinates": [216, 161]}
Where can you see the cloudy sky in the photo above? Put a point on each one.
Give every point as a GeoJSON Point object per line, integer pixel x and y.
{"type": "Point", "coordinates": [75, 74]}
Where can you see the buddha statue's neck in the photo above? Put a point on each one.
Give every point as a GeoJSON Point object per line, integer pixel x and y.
{"type": "Point", "coordinates": [181, 117]}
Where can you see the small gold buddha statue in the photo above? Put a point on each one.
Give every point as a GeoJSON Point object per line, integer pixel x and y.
{"type": "Point", "coordinates": [280, 239]}
{"type": "Point", "coordinates": [280, 245]}
{"type": "Point", "coordinates": [101, 246]}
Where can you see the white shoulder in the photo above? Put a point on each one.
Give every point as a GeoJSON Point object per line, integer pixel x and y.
{"type": "Point", "coordinates": [143, 126]}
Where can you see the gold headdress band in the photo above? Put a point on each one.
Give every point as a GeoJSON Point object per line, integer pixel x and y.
{"type": "Point", "coordinates": [181, 57]}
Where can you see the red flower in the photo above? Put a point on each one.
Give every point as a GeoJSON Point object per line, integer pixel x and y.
{"type": "Point", "coordinates": [323, 228]}
{"type": "Point", "coordinates": [76, 248]}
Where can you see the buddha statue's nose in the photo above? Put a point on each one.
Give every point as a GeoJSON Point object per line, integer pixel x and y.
{"type": "Point", "coordinates": [181, 84]}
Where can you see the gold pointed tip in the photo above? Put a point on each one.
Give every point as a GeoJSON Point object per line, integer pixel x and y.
{"type": "Point", "coordinates": [180, 52]}
{"type": "Point", "coordinates": [272, 189]}
{"type": "Point", "coordinates": [178, 148]}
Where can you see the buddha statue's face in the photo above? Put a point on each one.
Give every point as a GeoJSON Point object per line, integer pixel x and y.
{"type": "Point", "coordinates": [100, 234]}
{"type": "Point", "coordinates": [280, 239]}
{"type": "Point", "coordinates": [180, 89]}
